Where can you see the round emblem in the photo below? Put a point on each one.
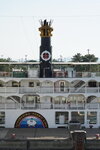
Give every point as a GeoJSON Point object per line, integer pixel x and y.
{"type": "Point", "coordinates": [45, 55]}
{"type": "Point", "coordinates": [31, 120]}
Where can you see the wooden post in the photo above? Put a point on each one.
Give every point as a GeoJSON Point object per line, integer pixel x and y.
{"type": "Point", "coordinates": [79, 137]}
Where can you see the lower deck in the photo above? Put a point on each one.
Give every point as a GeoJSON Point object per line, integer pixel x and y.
{"type": "Point", "coordinates": [48, 118]}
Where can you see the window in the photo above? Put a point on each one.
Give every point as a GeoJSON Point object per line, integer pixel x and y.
{"type": "Point", "coordinates": [79, 116]}
{"type": "Point", "coordinates": [38, 84]}
{"type": "Point", "coordinates": [31, 84]}
{"type": "Point", "coordinates": [15, 84]}
{"type": "Point", "coordinates": [92, 117]}
{"type": "Point", "coordinates": [30, 99]}
{"type": "Point", "coordinates": [2, 117]}
{"type": "Point", "coordinates": [1, 85]}
{"type": "Point", "coordinates": [62, 84]}
{"type": "Point", "coordinates": [92, 84]}
{"type": "Point", "coordinates": [61, 117]}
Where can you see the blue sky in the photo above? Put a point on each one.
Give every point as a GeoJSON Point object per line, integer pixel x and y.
{"type": "Point", "coordinates": [76, 26]}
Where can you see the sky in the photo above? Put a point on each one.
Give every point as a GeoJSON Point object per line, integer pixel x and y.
{"type": "Point", "coordinates": [76, 25]}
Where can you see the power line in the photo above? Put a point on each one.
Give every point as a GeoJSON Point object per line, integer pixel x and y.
{"type": "Point", "coordinates": [68, 16]}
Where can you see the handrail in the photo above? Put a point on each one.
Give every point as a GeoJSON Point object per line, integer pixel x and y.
{"type": "Point", "coordinates": [87, 106]}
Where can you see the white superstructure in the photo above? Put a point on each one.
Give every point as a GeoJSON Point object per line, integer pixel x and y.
{"type": "Point", "coordinates": [70, 94]}
{"type": "Point", "coordinates": [49, 94]}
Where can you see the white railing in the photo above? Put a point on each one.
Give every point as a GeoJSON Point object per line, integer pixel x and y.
{"type": "Point", "coordinates": [2, 105]}
{"type": "Point", "coordinates": [92, 90]}
{"type": "Point", "coordinates": [93, 106]}
{"type": "Point", "coordinates": [6, 74]}
{"type": "Point", "coordinates": [9, 105]}
{"type": "Point", "coordinates": [23, 90]}
{"type": "Point", "coordinates": [90, 106]}
{"type": "Point", "coordinates": [76, 75]}
{"type": "Point", "coordinates": [9, 90]}
{"type": "Point", "coordinates": [12, 105]}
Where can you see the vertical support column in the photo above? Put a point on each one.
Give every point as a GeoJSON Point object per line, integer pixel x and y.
{"type": "Point", "coordinates": [69, 115]}
{"type": "Point", "coordinates": [20, 104]}
{"type": "Point", "coordinates": [5, 96]}
{"type": "Point", "coordinates": [98, 118]}
{"type": "Point", "coordinates": [79, 138]}
{"type": "Point", "coordinates": [85, 88]}
{"type": "Point", "coordinates": [85, 121]}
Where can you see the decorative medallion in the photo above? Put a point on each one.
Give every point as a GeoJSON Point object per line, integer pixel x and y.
{"type": "Point", "coordinates": [31, 120]}
{"type": "Point", "coordinates": [45, 55]}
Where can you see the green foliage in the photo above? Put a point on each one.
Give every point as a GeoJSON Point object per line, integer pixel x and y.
{"type": "Point", "coordinates": [10, 67]}
{"type": "Point", "coordinates": [77, 58]}
{"type": "Point", "coordinates": [86, 58]}
{"type": "Point", "coordinates": [5, 67]}
{"type": "Point", "coordinates": [5, 60]}
{"type": "Point", "coordinates": [89, 58]}
{"type": "Point", "coordinates": [55, 60]}
{"type": "Point", "coordinates": [32, 60]}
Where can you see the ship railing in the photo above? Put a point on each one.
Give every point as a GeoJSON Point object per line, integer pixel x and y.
{"type": "Point", "coordinates": [78, 75]}
{"type": "Point", "coordinates": [87, 74]}
{"type": "Point", "coordinates": [12, 105]}
{"type": "Point", "coordinates": [82, 74]}
{"type": "Point", "coordinates": [2, 105]}
{"type": "Point", "coordinates": [23, 90]}
{"type": "Point", "coordinates": [73, 75]}
{"type": "Point", "coordinates": [9, 90]}
{"type": "Point", "coordinates": [69, 90]}
{"type": "Point", "coordinates": [20, 90]}
{"type": "Point", "coordinates": [77, 90]}
{"type": "Point", "coordinates": [93, 106]}
{"type": "Point", "coordinates": [85, 90]}
{"type": "Point", "coordinates": [92, 90]}
{"type": "Point", "coordinates": [44, 106]}
{"type": "Point", "coordinates": [6, 74]}
{"type": "Point", "coordinates": [25, 106]}
{"type": "Point", "coordinates": [9, 105]}
{"type": "Point", "coordinates": [81, 106]}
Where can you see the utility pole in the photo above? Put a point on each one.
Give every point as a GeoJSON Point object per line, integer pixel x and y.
{"type": "Point", "coordinates": [88, 51]}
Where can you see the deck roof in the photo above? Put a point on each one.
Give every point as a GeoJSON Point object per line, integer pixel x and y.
{"type": "Point", "coordinates": [54, 63]}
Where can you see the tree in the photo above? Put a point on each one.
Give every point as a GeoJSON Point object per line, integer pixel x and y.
{"type": "Point", "coordinates": [5, 59]}
{"type": "Point", "coordinates": [86, 58]}
{"type": "Point", "coordinates": [77, 58]}
{"type": "Point", "coordinates": [4, 67]}
{"type": "Point", "coordinates": [90, 58]}
{"type": "Point", "coordinates": [55, 60]}
{"type": "Point", "coordinates": [31, 60]}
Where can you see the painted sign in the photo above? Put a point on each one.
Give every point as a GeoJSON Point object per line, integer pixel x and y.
{"type": "Point", "coordinates": [31, 120]}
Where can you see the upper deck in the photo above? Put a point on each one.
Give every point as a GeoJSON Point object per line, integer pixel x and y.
{"type": "Point", "coordinates": [59, 69]}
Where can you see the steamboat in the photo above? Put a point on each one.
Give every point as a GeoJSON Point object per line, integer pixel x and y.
{"type": "Point", "coordinates": [49, 94]}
